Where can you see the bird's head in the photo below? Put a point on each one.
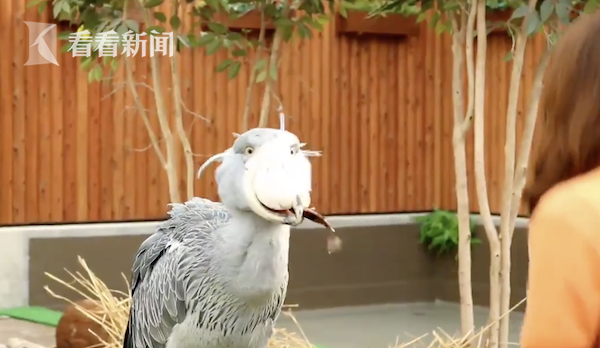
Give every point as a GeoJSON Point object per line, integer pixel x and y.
{"type": "Point", "coordinates": [266, 171]}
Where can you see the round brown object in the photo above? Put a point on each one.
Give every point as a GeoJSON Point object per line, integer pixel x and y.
{"type": "Point", "coordinates": [73, 330]}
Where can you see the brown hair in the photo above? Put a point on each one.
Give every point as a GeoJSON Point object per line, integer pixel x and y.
{"type": "Point", "coordinates": [569, 138]}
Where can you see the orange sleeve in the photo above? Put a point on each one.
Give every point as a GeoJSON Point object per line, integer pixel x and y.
{"type": "Point", "coordinates": [563, 298]}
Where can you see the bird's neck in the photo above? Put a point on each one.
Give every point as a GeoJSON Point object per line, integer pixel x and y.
{"type": "Point", "coordinates": [257, 255]}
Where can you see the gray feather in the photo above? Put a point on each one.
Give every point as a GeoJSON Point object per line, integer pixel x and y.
{"type": "Point", "coordinates": [162, 270]}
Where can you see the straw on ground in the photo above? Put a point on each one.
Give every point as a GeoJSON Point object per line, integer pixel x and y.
{"type": "Point", "coordinates": [113, 313]}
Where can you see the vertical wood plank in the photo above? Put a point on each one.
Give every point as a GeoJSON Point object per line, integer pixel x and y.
{"type": "Point", "coordinates": [19, 124]}
{"type": "Point", "coordinates": [119, 138]}
{"type": "Point", "coordinates": [8, 115]}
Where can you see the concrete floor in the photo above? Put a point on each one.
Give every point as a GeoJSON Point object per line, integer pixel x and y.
{"type": "Point", "coordinates": [356, 327]}
{"type": "Point", "coordinates": [383, 326]}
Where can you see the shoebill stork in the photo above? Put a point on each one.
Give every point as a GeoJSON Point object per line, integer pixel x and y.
{"type": "Point", "coordinates": [215, 275]}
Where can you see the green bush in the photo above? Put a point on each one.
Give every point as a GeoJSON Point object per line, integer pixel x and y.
{"type": "Point", "coordinates": [439, 231]}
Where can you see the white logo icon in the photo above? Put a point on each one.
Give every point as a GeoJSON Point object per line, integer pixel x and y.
{"type": "Point", "coordinates": [42, 43]}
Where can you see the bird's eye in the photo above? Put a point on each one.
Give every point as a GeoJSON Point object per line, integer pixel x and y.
{"type": "Point", "coordinates": [249, 150]}
{"type": "Point", "coordinates": [293, 150]}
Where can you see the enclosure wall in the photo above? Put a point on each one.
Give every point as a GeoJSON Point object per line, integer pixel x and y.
{"type": "Point", "coordinates": [379, 109]}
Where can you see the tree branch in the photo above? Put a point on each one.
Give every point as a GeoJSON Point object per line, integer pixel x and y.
{"type": "Point", "coordinates": [273, 63]}
{"type": "Point", "coordinates": [170, 167]}
{"type": "Point", "coordinates": [461, 180]}
{"type": "Point", "coordinates": [469, 43]}
{"type": "Point", "coordinates": [527, 136]}
{"type": "Point", "coordinates": [509, 172]}
{"type": "Point", "coordinates": [154, 142]}
{"type": "Point", "coordinates": [253, 73]}
{"type": "Point", "coordinates": [123, 85]}
{"type": "Point", "coordinates": [178, 101]}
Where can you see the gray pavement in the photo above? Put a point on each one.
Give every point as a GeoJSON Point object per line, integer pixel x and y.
{"type": "Point", "coordinates": [383, 325]}
{"type": "Point", "coordinates": [356, 327]}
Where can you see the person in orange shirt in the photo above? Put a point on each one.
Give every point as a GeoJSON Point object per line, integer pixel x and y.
{"type": "Point", "coordinates": [563, 297]}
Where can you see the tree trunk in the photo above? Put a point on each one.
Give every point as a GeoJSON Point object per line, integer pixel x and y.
{"type": "Point", "coordinates": [462, 194]}
{"type": "Point", "coordinates": [480, 180]}
{"type": "Point", "coordinates": [509, 172]}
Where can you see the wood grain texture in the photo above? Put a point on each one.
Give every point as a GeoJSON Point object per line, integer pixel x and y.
{"type": "Point", "coordinates": [379, 108]}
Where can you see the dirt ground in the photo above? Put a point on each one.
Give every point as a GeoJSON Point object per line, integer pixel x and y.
{"type": "Point", "coordinates": [35, 333]}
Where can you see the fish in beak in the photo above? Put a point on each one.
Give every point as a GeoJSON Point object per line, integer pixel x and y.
{"type": "Point", "coordinates": [334, 243]}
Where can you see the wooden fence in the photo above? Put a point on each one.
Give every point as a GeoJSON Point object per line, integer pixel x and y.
{"type": "Point", "coordinates": [379, 109]}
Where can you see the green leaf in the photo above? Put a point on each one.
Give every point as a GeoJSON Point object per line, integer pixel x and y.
{"type": "Point", "coordinates": [114, 65]}
{"type": "Point", "coordinates": [233, 36]}
{"type": "Point", "coordinates": [421, 17]}
{"type": "Point", "coordinates": [42, 7]}
{"type": "Point", "coordinates": [260, 64]}
{"type": "Point", "coordinates": [217, 28]}
{"type": "Point", "coordinates": [439, 28]}
{"type": "Point", "coordinates": [224, 65]}
{"type": "Point", "coordinates": [286, 33]}
{"type": "Point", "coordinates": [434, 20]}
{"type": "Point", "coordinates": [185, 40]}
{"type": "Point", "coordinates": [64, 35]}
{"type": "Point", "coordinates": [508, 57]}
{"type": "Point", "coordinates": [342, 11]}
{"type": "Point", "coordinates": [86, 63]}
{"type": "Point", "coordinates": [563, 11]}
{"type": "Point", "coordinates": [66, 47]}
{"type": "Point", "coordinates": [546, 10]}
{"type": "Point", "coordinates": [161, 17]}
{"type": "Point", "coordinates": [533, 23]}
{"type": "Point", "coordinates": [591, 6]}
{"type": "Point", "coordinates": [133, 25]}
{"type": "Point", "coordinates": [520, 12]}
{"type": "Point", "coordinates": [153, 3]}
{"type": "Point", "coordinates": [95, 74]}
{"type": "Point", "coordinates": [261, 76]}
{"type": "Point", "coordinates": [175, 22]}
{"type": "Point", "coordinates": [234, 70]}
{"type": "Point", "coordinates": [206, 39]}
{"type": "Point", "coordinates": [56, 10]}
{"type": "Point", "coordinates": [240, 52]}
{"type": "Point", "coordinates": [34, 3]}
{"type": "Point", "coordinates": [156, 28]}
{"type": "Point", "coordinates": [304, 31]}
{"type": "Point", "coordinates": [213, 47]}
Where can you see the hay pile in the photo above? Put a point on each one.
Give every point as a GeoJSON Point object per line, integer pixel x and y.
{"type": "Point", "coordinates": [113, 310]}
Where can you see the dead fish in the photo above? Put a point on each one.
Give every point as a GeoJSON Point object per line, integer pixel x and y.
{"type": "Point", "coordinates": [334, 243]}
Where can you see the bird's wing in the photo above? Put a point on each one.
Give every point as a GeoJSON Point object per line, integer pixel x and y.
{"type": "Point", "coordinates": [157, 302]}
{"type": "Point", "coordinates": [158, 283]}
